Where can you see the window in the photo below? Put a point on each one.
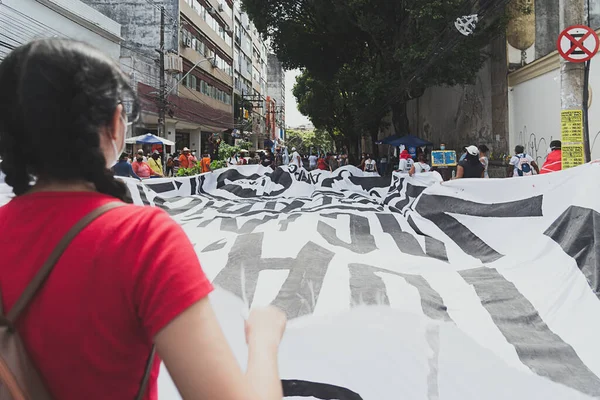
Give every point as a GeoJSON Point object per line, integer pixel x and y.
{"type": "Point", "coordinates": [192, 82]}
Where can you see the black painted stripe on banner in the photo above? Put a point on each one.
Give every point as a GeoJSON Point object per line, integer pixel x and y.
{"type": "Point", "coordinates": [368, 288]}
{"type": "Point", "coordinates": [430, 205]}
{"type": "Point", "coordinates": [540, 349]}
{"type": "Point", "coordinates": [324, 391]}
{"type": "Point", "coordinates": [143, 196]}
{"type": "Point", "coordinates": [362, 242]}
{"type": "Point", "coordinates": [435, 209]}
{"type": "Point", "coordinates": [218, 245]}
{"type": "Point", "coordinates": [161, 187]}
{"type": "Point", "coordinates": [270, 205]}
{"type": "Point", "coordinates": [301, 289]}
{"type": "Point", "coordinates": [434, 248]}
{"type": "Point", "coordinates": [577, 231]}
{"type": "Point", "coordinates": [469, 242]}
{"type": "Point", "coordinates": [406, 242]}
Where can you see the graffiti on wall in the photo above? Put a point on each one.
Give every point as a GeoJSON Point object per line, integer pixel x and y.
{"type": "Point", "coordinates": [534, 146]}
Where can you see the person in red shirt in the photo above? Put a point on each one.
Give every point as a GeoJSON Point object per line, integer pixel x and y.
{"type": "Point", "coordinates": [142, 168]}
{"type": "Point", "coordinates": [322, 164]}
{"type": "Point", "coordinates": [184, 158]}
{"type": "Point", "coordinates": [554, 159]}
{"type": "Point", "coordinates": [205, 163]}
{"type": "Point", "coordinates": [90, 329]}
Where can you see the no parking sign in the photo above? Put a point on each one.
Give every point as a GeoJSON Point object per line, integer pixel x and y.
{"type": "Point", "coordinates": [578, 43]}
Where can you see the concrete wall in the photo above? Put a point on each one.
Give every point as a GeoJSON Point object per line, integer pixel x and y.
{"type": "Point", "coordinates": [546, 26]}
{"type": "Point", "coordinates": [464, 115]}
{"type": "Point", "coordinates": [535, 113]}
{"type": "Point", "coordinates": [25, 20]}
{"type": "Point", "coordinates": [141, 23]}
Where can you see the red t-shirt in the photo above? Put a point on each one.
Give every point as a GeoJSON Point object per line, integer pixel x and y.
{"type": "Point", "coordinates": [89, 329]}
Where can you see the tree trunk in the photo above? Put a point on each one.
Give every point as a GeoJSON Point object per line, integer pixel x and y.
{"type": "Point", "coordinates": [374, 133]}
{"type": "Point", "coordinates": [400, 118]}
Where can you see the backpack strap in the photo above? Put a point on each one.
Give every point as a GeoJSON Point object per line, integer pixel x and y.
{"type": "Point", "coordinates": [39, 279]}
{"type": "Point", "coordinates": [146, 377]}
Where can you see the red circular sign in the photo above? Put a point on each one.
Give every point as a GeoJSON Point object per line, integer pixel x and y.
{"type": "Point", "coordinates": [578, 43]}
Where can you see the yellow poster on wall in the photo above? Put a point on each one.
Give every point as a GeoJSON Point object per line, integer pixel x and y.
{"type": "Point", "coordinates": [571, 127]}
{"type": "Point", "coordinates": [572, 155]}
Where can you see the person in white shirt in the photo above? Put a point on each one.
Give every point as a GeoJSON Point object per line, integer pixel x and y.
{"type": "Point", "coordinates": [296, 159]}
{"type": "Point", "coordinates": [233, 160]}
{"type": "Point", "coordinates": [141, 152]}
{"type": "Point", "coordinates": [312, 162]}
{"type": "Point", "coordinates": [522, 164]}
{"type": "Point", "coordinates": [405, 163]}
{"type": "Point", "coordinates": [420, 166]}
{"type": "Point", "coordinates": [370, 165]}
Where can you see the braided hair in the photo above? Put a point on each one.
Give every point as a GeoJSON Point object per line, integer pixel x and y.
{"type": "Point", "coordinates": [57, 97]}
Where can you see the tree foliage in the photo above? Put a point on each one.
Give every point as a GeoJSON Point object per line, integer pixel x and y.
{"type": "Point", "coordinates": [305, 141]}
{"type": "Point", "coordinates": [363, 58]}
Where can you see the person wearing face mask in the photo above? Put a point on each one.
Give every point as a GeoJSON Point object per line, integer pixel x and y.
{"type": "Point", "coordinates": [123, 168]}
{"type": "Point", "coordinates": [156, 164]}
{"type": "Point", "coordinates": [142, 168]}
{"type": "Point", "coordinates": [130, 283]}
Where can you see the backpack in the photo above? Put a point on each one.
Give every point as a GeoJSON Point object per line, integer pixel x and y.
{"type": "Point", "coordinates": [524, 166]}
{"type": "Point", "coordinates": [19, 379]}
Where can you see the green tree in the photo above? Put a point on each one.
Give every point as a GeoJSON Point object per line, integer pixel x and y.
{"type": "Point", "coordinates": [307, 141]}
{"type": "Point", "coordinates": [393, 49]}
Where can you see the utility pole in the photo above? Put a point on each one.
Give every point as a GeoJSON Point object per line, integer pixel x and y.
{"type": "Point", "coordinates": [162, 105]}
{"type": "Point", "coordinates": [574, 76]}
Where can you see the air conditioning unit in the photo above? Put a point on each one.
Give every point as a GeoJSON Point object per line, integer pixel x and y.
{"type": "Point", "coordinates": [228, 31]}
{"type": "Point", "coordinates": [213, 62]}
{"type": "Point", "coordinates": [211, 10]}
{"type": "Point", "coordinates": [187, 42]}
{"type": "Point", "coordinates": [173, 63]}
{"type": "Point", "coordinates": [221, 7]}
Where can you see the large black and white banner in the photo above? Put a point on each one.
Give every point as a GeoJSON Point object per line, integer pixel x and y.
{"type": "Point", "coordinates": [404, 288]}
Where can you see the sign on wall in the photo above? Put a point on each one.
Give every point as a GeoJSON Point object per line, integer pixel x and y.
{"type": "Point", "coordinates": [571, 125]}
{"type": "Point", "coordinates": [443, 158]}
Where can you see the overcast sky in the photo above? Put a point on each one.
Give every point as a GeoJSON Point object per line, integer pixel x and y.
{"type": "Point", "coordinates": [293, 118]}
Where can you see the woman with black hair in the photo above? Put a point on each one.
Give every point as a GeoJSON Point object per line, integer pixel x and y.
{"type": "Point", "coordinates": [470, 167]}
{"type": "Point", "coordinates": [131, 278]}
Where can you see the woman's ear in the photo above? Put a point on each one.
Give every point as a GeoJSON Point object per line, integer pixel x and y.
{"type": "Point", "coordinates": [117, 125]}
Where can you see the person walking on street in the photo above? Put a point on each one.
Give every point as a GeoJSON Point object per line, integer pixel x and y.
{"type": "Point", "coordinates": [184, 158]}
{"type": "Point", "coordinates": [156, 164]}
{"type": "Point", "coordinates": [312, 162]}
{"type": "Point", "coordinates": [130, 282]}
{"type": "Point", "coordinates": [123, 168]}
{"type": "Point", "coordinates": [370, 165]}
{"type": "Point", "coordinates": [233, 160]}
{"type": "Point", "coordinates": [322, 164]}
{"type": "Point", "coordinates": [553, 161]}
{"type": "Point", "coordinates": [405, 163]}
{"type": "Point", "coordinates": [420, 166]}
{"type": "Point", "coordinates": [483, 158]}
{"type": "Point", "coordinates": [295, 158]}
{"type": "Point", "coordinates": [521, 164]}
{"type": "Point", "coordinates": [205, 163]}
{"type": "Point", "coordinates": [142, 168]}
{"type": "Point", "coordinates": [471, 166]}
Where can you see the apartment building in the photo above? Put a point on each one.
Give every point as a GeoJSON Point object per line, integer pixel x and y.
{"type": "Point", "coordinates": [198, 46]}
{"type": "Point", "coordinates": [276, 91]}
{"type": "Point", "coordinates": [24, 20]}
{"type": "Point", "coordinates": [250, 77]}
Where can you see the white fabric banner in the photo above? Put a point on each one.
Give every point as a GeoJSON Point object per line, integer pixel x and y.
{"type": "Point", "coordinates": [404, 287]}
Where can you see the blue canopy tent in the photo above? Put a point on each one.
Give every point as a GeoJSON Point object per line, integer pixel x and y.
{"type": "Point", "coordinates": [407, 141]}
{"type": "Point", "coordinates": [149, 138]}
